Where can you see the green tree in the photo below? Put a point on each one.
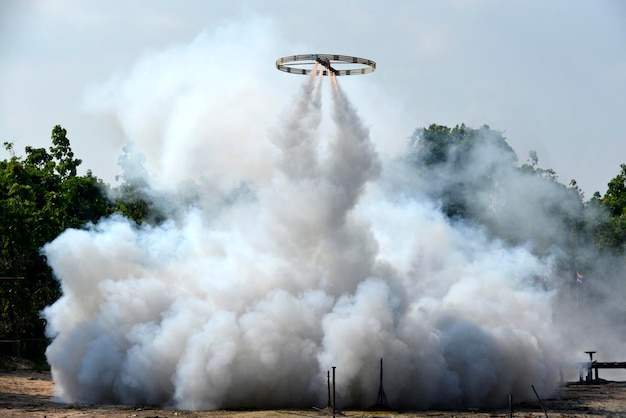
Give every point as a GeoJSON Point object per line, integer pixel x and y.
{"type": "Point", "coordinates": [473, 173]}
{"type": "Point", "coordinates": [460, 164]}
{"type": "Point", "coordinates": [132, 198]}
{"type": "Point", "coordinates": [610, 233]}
{"type": "Point", "coordinates": [61, 151]}
{"type": "Point", "coordinates": [41, 195]}
{"type": "Point", "coordinates": [615, 197]}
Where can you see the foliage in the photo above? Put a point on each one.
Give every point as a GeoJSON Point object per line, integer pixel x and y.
{"type": "Point", "coordinates": [132, 197]}
{"type": "Point", "coordinates": [473, 173]}
{"type": "Point", "coordinates": [610, 235]}
{"type": "Point", "coordinates": [41, 195]}
{"type": "Point", "coordinates": [459, 164]}
{"type": "Point", "coordinates": [474, 176]}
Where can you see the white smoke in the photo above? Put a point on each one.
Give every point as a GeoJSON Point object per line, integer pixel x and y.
{"type": "Point", "coordinates": [323, 263]}
{"type": "Point", "coordinates": [189, 103]}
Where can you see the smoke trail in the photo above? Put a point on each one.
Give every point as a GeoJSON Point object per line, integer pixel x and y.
{"type": "Point", "coordinates": [327, 262]}
{"type": "Point", "coordinates": [299, 139]}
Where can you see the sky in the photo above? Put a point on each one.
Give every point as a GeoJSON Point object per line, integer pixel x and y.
{"type": "Point", "coordinates": [550, 75]}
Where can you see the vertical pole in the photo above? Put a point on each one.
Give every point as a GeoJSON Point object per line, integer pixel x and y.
{"type": "Point", "coordinates": [328, 382]}
{"type": "Point", "coordinates": [510, 405]}
{"type": "Point", "coordinates": [589, 366]}
{"type": "Point", "coordinates": [539, 399]}
{"type": "Point", "coordinates": [334, 404]}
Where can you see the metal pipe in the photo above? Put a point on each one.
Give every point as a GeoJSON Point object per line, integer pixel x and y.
{"type": "Point", "coordinates": [334, 404]}
{"type": "Point", "coordinates": [539, 399]}
{"type": "Point", "coordinates": [328, 384]}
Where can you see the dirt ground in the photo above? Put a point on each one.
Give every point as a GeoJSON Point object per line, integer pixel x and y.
{"type": "Point", "coordinates": [27, 393]}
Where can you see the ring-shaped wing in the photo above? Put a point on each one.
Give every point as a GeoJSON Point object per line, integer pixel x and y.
{"type": "Point", "coordinates": [287, 64]}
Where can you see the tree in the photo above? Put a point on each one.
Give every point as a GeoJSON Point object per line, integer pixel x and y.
{"type": "Point", "coordinates": [41, 195]}
{"type": "Point", "coordinates": [473, 173]}
{"type": "Point", "coordinates": [132, 197]}
{"type": "Point", "coordinates": [615, 197]}
{"type": "Point", "coordinates": [460, 164]}
{"type": "Point", "coordinates": [610, 233]}
{"type": "Point", "coordinates": [61, 151]}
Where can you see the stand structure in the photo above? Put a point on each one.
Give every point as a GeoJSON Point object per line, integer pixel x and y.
{"type": "Point", "coordinates": [382, 398]}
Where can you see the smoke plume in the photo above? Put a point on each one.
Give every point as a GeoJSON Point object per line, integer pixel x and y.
{"type": "Point", "coordinates": [309, 254]}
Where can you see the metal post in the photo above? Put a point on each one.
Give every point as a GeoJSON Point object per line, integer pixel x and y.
{"type": "Point", "coordinates": [334, 404]}
{"type": "Point", "coordinates": [589, 369]}
{"type": "Point", "coordinates": [577, 286]}
{"type": "Point", "coordinates": [382, 398]}
{"type": "Point", "coordinates": [539, 399]}
{"type": "Point", "coordinates": [328, 383]}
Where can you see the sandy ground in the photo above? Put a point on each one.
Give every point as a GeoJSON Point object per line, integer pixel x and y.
{"type": "Point", "coordinates": [26, 393]}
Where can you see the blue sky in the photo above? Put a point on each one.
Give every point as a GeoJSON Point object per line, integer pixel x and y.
{"type": "Point", "coordinates": [551, 75]}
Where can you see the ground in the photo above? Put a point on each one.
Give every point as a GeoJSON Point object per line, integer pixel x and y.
{"type": "Point", "coordinates": [28, 393]}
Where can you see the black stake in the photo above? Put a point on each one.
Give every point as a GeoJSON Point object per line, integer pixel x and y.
{"type": "Point", "coordinates": [539, 399]}
{"type": "Point", "coordinates": [328, 382]}
{"type": "Point", "coordinates": [334, 405]}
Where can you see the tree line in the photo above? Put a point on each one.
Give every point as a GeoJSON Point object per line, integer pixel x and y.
{"type": "Point", "coordinates": [476, 178]}
{"type": "Point", "coordinates": [473, 173]}
{"type": "Point", "coordinates": [41, 195]}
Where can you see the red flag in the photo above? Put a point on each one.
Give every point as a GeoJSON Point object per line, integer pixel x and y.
{"type": "Point", "coordinates": [579, 277]}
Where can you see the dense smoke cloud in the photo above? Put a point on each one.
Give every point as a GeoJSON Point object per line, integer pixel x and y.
{"type": "Point", "coordinates": [325, 260]}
